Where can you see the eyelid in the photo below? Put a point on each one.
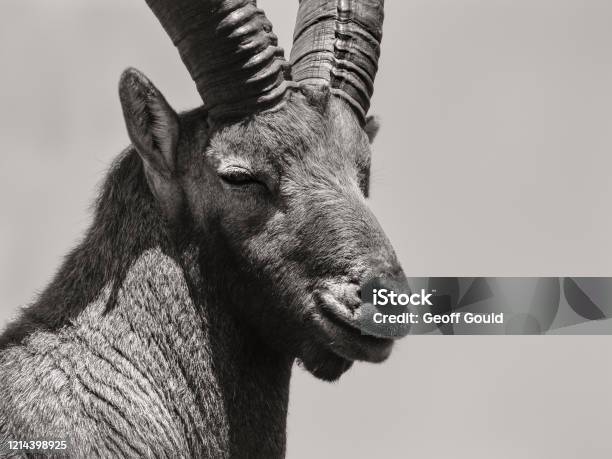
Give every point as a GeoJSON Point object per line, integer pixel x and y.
{"type": "Point", "coordinates": [238, 173]}
{"type": "Point", "coordinates": [234, 168]}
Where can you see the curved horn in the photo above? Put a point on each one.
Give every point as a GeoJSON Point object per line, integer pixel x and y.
{"type": "Point", "coordinates": [337, 43]}
{"type": "Point", "coordinates": [230, 52]}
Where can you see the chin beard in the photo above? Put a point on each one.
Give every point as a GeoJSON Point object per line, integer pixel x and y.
{"type": "Point", "coordinates": [324, 364]}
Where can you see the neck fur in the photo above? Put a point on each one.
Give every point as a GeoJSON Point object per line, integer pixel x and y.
{"type": "Point", "coordinates": [230, 389]}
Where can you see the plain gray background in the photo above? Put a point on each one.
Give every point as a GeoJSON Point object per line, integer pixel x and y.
{"type": "Point", "coordinates": [493, 159]}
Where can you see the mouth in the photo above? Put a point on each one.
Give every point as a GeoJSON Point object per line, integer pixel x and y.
{"type": "Point", "coordinates": [347, 340]}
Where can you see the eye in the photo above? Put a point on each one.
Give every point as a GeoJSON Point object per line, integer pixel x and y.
{"type": "Point", "coordinates": [237, 176]}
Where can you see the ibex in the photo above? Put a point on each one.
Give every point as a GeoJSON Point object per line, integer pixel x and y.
{"type": "Point", "coordinates": [227, 242]}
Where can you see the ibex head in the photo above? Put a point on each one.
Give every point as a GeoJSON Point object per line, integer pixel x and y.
{"type": "Point", "coordinates": [273, 171]}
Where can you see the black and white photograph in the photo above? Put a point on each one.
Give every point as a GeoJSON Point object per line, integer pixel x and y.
{"type": "Point", "coordinates": [306, 229]}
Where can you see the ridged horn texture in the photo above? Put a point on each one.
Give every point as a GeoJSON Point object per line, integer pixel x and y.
{"type": "Point", "coordinates": [337, 43]}
{"type": "Point", "coordinates": [230, 52]}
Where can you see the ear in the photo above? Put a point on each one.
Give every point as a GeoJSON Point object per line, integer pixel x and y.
{"type": "Point", "coordinates": [372, 126]}
{"type": "Point", "coordinates": [153, 128]}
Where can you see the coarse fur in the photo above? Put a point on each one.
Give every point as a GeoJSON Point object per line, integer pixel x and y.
{"type": "Point", "coordinates": [217, 256]}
